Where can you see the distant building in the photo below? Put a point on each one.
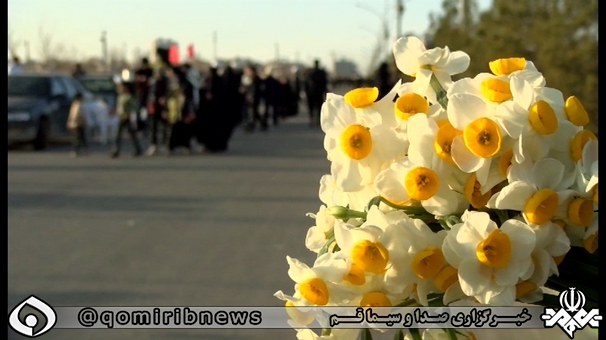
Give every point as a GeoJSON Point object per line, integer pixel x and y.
{"type": "Point", "coordinates": [344, 69]}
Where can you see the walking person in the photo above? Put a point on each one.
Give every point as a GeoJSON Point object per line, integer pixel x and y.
{"type": "Point", "coordinates": [126, 105]}
{"type": "Point", "coordinates": [143, 76]}
{"type": "Point", "coordinates": [76, 123]}
{"type": "Point", "coordinates": [316, 87]}
{"type": "Point", "coordinates": [160, 91]}
{"type": "Point", "coordinates": [251, 88]}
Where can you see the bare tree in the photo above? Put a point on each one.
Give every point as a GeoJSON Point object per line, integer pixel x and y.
{"type": "Point", "coordinates": [46, 45]}
{"type": "Point", "coordinates": [13, 43]}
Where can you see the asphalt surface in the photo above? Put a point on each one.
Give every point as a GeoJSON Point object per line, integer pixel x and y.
{"type": "Point", "coordinates": [190, 230]}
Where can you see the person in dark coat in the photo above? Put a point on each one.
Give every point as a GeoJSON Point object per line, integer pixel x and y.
{"type": "Point", "coordinates": [316, 87]}
{"type": "Point", "coordinates": [160, 90]}
{"type": "Point", "coordinates": [252, 90]}
{"type": "Point", "coordinates": [182, 130]}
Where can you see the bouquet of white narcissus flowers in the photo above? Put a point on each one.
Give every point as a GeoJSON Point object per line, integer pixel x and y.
{"type": "Point", "coordinates": [483, 190]}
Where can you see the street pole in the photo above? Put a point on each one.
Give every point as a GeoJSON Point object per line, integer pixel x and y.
{"type": "Point", "coordinates": [215, 45]}
{"type": "Point", "coordinates": [399, 14]}
{"type": "Point", "coordinates": [104, 49]}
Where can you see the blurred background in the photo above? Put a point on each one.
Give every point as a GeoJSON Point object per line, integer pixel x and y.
{"type": "Point", "coordinates": [350, 37]}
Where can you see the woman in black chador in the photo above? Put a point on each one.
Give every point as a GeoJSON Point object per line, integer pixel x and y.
{"type": "Point", "coordinates": [218, 114]}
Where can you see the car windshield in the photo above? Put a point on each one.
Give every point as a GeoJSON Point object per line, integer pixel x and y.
{"type": "Point", "coordinates": [98, 85]}
{"type": "Point", "coordinates": [29, 86]}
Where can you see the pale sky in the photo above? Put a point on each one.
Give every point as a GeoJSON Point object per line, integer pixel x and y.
{"type": "Point", "coordinates": [295, 30]}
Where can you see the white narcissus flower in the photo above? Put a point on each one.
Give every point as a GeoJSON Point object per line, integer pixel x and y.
{"type": "Point", "coordinates": [490, 260]}
{"type": "Point", "coordinates": [532, 119]}
{"type": "Point", "coordinates": [316, 285]}
{"type": "Point", "coordinates": [406, 183]}
{"type": "Point", "coordinates": [369, 110]}
{"type": "Point", "coordinates": [532, 190]}
{"type": "Point", "coordinates": [413, 59]}
{"type": "Point", "coordinates": [357, 151]}
{"type": "Point", "coordinates": [422, 262]}
{"type": "Point", "coordinates": [318, 235]}
{"type": "Point", "coordinates": [517, 67]}
{"type": "Point", "coordinates": [481, 139]}
{"type": "Point", "coordinates": [376, 245]}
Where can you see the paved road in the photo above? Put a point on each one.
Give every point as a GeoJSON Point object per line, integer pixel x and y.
{"type": "Point", "coordinates": [198, 230]}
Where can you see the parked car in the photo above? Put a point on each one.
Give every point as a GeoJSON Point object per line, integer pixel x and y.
{"type": "Point", "coordinates": [38, 107]}
{"type": "Point", "coordinates": [104, 88]}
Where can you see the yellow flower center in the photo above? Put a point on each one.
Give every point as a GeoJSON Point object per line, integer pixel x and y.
{"type": "Point", "coordinates": [541, 206]}
{"type": "Point", "coordinates": [473, 192]}
{"type": "Point", "coordinates": [361, 97]}
{"type": "Point", "coordinates": [428, 262]}
{"type": "Point", "coordinates": [578, 143]}
{"type": "Point", "coordinates": [495, 250]}
{"type": "Point", "coordinates": [495, 90]}
{"type": "Point", "coordinates": [421, 183]}
{"type": "Point", "coordinates": [591, 243]}
{"type": "Point", "coordinates": [506, 66]}
{"type": "Point", "coordinates": [355, 275]}
{"type": "Point", "coordinates": [314, 290]}
{"type": "Point", "coordinates": [375, 299]}
{"type": "Point", "coordinates": [505, 161]}
{"type": "Point", "coordinates": [575, 112]}
{"type": "Point", "coordinates": [542, 118]}
{"type": "Point", "coordinates": [356, 141]}
{"type": "Point", "coordinates": [370, 256]}
{"type": "Point", "coordinates": [443, 141]}
{"type": "Point", "coordinates": [410, 104]}
{"type": "Point", "coordinates": [580, 211]}
{"type": "Point", "coordinates": [446, 277]}
{"type": "Point", "coordinates": [298, 316]}
{"type": "Point", "coordinates": [524, 288]}
{"type": "Point", "coordinates": [482, 137]}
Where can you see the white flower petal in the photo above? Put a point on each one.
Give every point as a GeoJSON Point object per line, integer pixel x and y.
{"type": "Point", "coordinates": [463, 158]}
{"type": "Point", "coordinates": [458, 62]}
{"type": "Point", "coordinates": [547, 173]}
{"type": "Point", "coordinates": [473, 276]}
{"type": "Point", "coordinates": [464, 108]}
{"type": "Point", "coordinates": [522, 238]}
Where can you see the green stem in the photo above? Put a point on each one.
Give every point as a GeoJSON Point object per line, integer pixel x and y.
{"type": "Point", "coordinates": [439, 90]}
{"type": "Point", "coordinates": [366, 335]}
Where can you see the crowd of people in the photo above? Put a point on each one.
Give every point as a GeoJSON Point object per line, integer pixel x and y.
{"type": "Point", "coordinates": [176, 106]}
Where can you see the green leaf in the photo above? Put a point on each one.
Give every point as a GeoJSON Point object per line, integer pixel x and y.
{"type": "Point", "coordinates": [399, 335]}
{"type": "Point", "coordinates": [415, 333]}
{"type": "Point", "coordinates": [451, 333]}
{"type": "Point", "coordinates": [366, 335]}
